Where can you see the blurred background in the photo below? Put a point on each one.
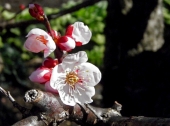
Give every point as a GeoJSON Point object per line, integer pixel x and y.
{"type": "Point", "coordinates": [130, 44]}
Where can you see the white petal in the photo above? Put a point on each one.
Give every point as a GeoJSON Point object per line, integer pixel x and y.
{"type": "Point", "coordinates": [91, 74]}
{"type": "Point", "coordinates": [81, 33]}
{"type": "Point", "coordinates": [37, 31]}
{"type": "Point", "coordinates": [57, 77]}
{"type": "Point", "coordinates": [66, 97]}
{"type": "Point", "coordinates": [50, 47]}
{"type": "Point", "coordinates": [33, 45]}
{"type": "Point", "coordinates": [75, 59]}
{"type": "Point", "coordinates": [85, 95]}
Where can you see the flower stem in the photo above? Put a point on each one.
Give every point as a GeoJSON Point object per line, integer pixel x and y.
{"type": "Point", "coordinates": [58, 52]}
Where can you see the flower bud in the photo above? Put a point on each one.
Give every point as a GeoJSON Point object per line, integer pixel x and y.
{"type": "Point", "coordinates": [36, 11]}
{"type": "Point", "coordinates": [22, 6]}
{"type": "Point", "coordinates": [66, 43]}
{"type": "Point", "coordinates": [50, 63]}
{"type": "Point", "coordinates": [41, 75]}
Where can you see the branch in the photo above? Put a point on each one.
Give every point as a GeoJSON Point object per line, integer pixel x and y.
{"type": "Point", "coordinates": [7, 25]}
{"type": "Point", "coordinates": [49, 110]}
{"type": "Point", "coordinates": [23, 110]}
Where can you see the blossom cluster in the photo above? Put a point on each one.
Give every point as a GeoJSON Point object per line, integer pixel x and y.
{"type": "Point", "coordinates": [73, 78]}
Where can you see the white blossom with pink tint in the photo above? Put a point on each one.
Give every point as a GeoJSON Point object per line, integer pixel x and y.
{"type": "Point", "coordinates": [79, 32]}
{"type": "Point", "coordinates": [75, 78]}
{"type": "Point", "coordinates": [39, 40]}
{"type": "Point", "coordinates": [41, 75]}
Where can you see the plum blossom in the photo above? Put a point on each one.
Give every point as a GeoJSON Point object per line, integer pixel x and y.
{"type": "Point", "coordinates": [79, 32]}
{"type": "Point", "coordinates": [38, 40]}
{"type": "Point", "coordinates": [76, 34]}
{"type": "Point", "coordinates": [75, 78]}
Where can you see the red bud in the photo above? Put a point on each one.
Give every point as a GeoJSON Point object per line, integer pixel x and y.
{"type": "Point", "coordinates": [50, 63]}
{"type": "Point", "coordinates": [22, 6]}
{"type": "Point", "coordinates": [36, 11]}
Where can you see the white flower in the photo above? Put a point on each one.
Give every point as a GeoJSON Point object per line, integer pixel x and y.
{"type": "Point", "coordinates": [38, 40]}
{"type": "Point", "coordinates": [79, 32]}
{"type": "Point", "coordinates": [75, 78]}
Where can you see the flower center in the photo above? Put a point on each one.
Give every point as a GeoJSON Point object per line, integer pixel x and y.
{"type": "Point", "coordinates": [42, 39]}
{"type": "Point", "coordinates": [71, 79]}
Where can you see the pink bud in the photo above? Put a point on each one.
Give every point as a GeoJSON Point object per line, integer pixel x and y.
{"type": "Point", "coordinates": [41, 75]}
{"type": "Point", "coordinates": [36, 11]}
{"type": "Point", "coordinates": [50, 63]}
{"type": "Point", "coordinates": [66, 43]}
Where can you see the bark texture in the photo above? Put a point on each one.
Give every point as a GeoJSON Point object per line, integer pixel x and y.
{"type": "Point", "coordinates": [136, 63]}
{"type": "Point", "coordinates": [51, 111]}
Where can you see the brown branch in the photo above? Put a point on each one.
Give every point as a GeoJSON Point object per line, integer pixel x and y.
{"type": "Point", "coordinates": [6, 25]}
{"type": "Point", "coordinates": [49, 110]}
{"type": "Point", "coordinates": [25, 112]}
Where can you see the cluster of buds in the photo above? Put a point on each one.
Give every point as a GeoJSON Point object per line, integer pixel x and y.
{"type": "Point", "coordinates": [73, 78]}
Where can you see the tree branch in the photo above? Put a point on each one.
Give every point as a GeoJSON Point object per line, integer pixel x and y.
{"type": "Point", "coordinates": [48, 109]}
{"type": "Point", "coordinates": [23, 110]}
{"type": "Point", "coordinates": [7, 25]}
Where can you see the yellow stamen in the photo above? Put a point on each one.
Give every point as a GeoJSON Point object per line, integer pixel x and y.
{"type": "Point", "coordinates": [71, 79]}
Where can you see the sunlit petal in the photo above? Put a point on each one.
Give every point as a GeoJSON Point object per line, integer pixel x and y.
{"type": "Point", "coordinates": [86, 92]}
{"type": "Point", "coordinates": [75, 59]}
{"type": "Point", "coordinates": [81, 33]}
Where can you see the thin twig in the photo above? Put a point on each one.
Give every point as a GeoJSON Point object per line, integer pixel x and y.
{"type": "Point", "coordinates": [3, 92]}
{"type": "Point", "coordinates": [94, 112]}
{"type": "Point", "coordinates": [6, 25]}
{"type": "Point", "coordinates": [19, 12]}
{"type": "Point", "coordinates": [22, 109]}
